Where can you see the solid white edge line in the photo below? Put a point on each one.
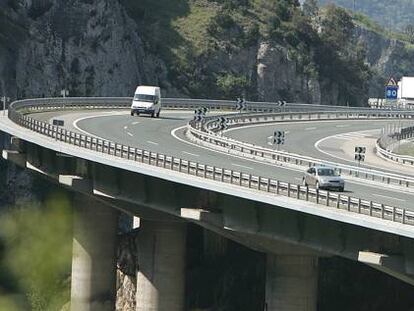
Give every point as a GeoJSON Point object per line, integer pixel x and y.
{"type": "Point", "coordinates": [281, 166]}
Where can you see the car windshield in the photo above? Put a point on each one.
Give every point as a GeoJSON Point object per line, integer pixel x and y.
{"type": "Point", "coordinates": [327, 172]}
{"type": "Point", "coordinates": [144, 97]}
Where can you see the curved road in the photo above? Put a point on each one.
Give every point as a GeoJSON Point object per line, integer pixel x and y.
{"type": "Point", "coordinates": [166, 135]}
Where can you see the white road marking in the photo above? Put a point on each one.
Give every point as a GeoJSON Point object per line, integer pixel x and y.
{"type": "Point", "coordinates": [242, 166]}
{"type": "Point", "coordinates": [125, 127]}
{"type": "Point", "coordinates": [365, 183]}
{"type": "Point", "coordinates": [130, 134]}
{"type": "Point", "coordinates": [152, 142]}
{"type": "Point", "coordinates": [310, 128]}
{"type": "Point", "coordinates": [342, 137]}
{"type": "Point", "coordinates": [387, 197]}
{"type": "Point", "coordinates": [343, 125]}
{"type": "Point", "coordinates": [191, 154]}
{"type": "Point", "coordinates": [135, 123]}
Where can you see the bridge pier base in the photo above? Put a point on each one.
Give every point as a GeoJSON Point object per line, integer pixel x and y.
{"type": "Point", "coordinates": [291, 283]}
{"type": "Point", "coordinates": [161, 260]}
{"type": "Point", "coordinates": [93, 285]}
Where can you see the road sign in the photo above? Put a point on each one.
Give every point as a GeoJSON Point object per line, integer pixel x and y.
{"type": "Point", "coordinates": [282, 103]}
{"type": "Point", "coordinates": [223, 126]}
{"type": "Point", "coordinates": [360, 149]}
{"type": "Point", "coordinates": [391, 92]}
{"type": "Point", "coordinates": [57, 122]}
{"type": "Point", "coordinates": [198, 118]}
{"type": "Point", "coordinates": [64, 93]}
{"type": "Point", "coordinates": [241, 104]}
{"type": "Point", "coordinates": [279, 137]}
{"type": "Point", "coordinates": [359, 157]}
{"type": "Point", "coordinates": [392, 82]}
{"type": "Point", "coordinates": [222, 120]}
{"type": "Point", "coordinates": [201, 111]}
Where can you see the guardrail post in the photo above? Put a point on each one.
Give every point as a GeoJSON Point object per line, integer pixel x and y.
{"type": "Point", "coordinates": [370, 208]}
{"type": "Point", "coordinates": [298, 191]}
{"type": "Point", "coordinates": [250, 181]}
{"type": "Point", "coordinates": [327, 198]}
{"type": "Point", "coordinates": [338, 200]}
{"type": "Point", "coordinates": [394, 210]}
{"type": "Point", "coordinates": [222, 174]}
{"type": "Point", "coordinates": [359, 205]}
{"type": "Point", "coordinates": [277, 187]}
{"type": "Point", "coordinates": [403, 216]}
{"type": "Point", "coordinates": [349, 204]}
{"type": "Point", "coordinates": [317, 196]}
{"type": "Point", "coordinates": [259, 183]}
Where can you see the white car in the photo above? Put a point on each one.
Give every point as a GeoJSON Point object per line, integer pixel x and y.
{"type": "Point", "coordinates": [147, 99]}
{"type": "Point", "coordinates": [322, 177]}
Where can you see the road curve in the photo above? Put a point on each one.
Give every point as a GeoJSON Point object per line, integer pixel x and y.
{"type": "Point", "coordinates": [156, 135]}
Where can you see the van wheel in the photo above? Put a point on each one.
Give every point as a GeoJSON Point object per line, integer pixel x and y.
{"type": "Point", "coordinates": [152, 114]}
{"type": "Point", "coordinates": [158, 113]}
{"type": "Point", "coordinates": [132, 114]}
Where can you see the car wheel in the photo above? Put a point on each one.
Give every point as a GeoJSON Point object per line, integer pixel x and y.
{"type": "Point", "coordinates": [132, 114]}
{"type": "Point", "coordinates": [158, 113]}
{"type": "Point", "coordinates": [152, 114]}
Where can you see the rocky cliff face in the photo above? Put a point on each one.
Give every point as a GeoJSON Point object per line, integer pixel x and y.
{"type": "Point", "coordinates": [278, 77]}
{"type": "Point", "coordinates": [387, 57]}
{"type": "Point", "coordinates": [94, 48]}
{"type": "Point", "coordinates": [89, 47]}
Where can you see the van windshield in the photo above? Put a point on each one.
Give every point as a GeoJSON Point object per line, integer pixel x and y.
{"type": "Point", "coordinates": [327, 172]}
{"type": "Point", "coordinates": [144, 98]}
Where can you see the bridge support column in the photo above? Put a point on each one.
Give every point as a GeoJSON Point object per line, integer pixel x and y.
{"type": "Point", "coordinates": [291, 283]}
{"type": "Point", "coordinates": [161, 261]}
{"type": "Point", "coordinates": [93, 285]}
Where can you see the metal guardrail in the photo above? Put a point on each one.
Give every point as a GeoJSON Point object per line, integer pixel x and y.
{"type": "Point", "coordinates": [205, 132]}
{"type": "Point", "coordinates": [387, 143]}
{"type": "Point", "coordinates": [267, 185]}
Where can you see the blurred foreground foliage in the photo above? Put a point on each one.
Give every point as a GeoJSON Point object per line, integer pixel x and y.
{"type": "Point", "coordinates": [35, 256]}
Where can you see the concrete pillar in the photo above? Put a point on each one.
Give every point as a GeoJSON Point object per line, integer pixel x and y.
{"type": "Point", "coordinates": [94, 256]}
{"type": "Point", "coordinates": [161, 261]}
{"type": "Point", "coordinates": [291, 283]}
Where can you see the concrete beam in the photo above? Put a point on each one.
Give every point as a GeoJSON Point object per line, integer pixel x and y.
{"type": "Point", "coordinates": [15, 157]}
{"type": "Point", "coordinates": [391, 265]}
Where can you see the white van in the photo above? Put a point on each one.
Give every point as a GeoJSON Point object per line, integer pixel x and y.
{"type": "Point", "coordinates": [147, 99]}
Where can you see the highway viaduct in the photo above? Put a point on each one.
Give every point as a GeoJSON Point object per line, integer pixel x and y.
{"type": "Point", "coordinates": [107, 179]}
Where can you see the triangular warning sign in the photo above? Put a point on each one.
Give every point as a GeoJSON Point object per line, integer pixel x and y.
{"type": "Point", "coordinates": [392, 82]}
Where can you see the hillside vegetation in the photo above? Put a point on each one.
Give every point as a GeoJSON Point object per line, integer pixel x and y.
{"type": "Point", "coordinates": [393, 15]}
{"type": "Point", "coordinates": [200, 41]}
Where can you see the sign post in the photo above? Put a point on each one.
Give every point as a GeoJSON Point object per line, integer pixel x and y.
{"type": "Point", "coordinates": [64, 93]}
{"type": "Point", "coordinates": [360, 154]}
{"type": "Point", "coordinates": [391, 89]}
{"type": "Point", "coordinates": [241, 104]}
{"type": "Point", "coordinates": [278, 138]}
